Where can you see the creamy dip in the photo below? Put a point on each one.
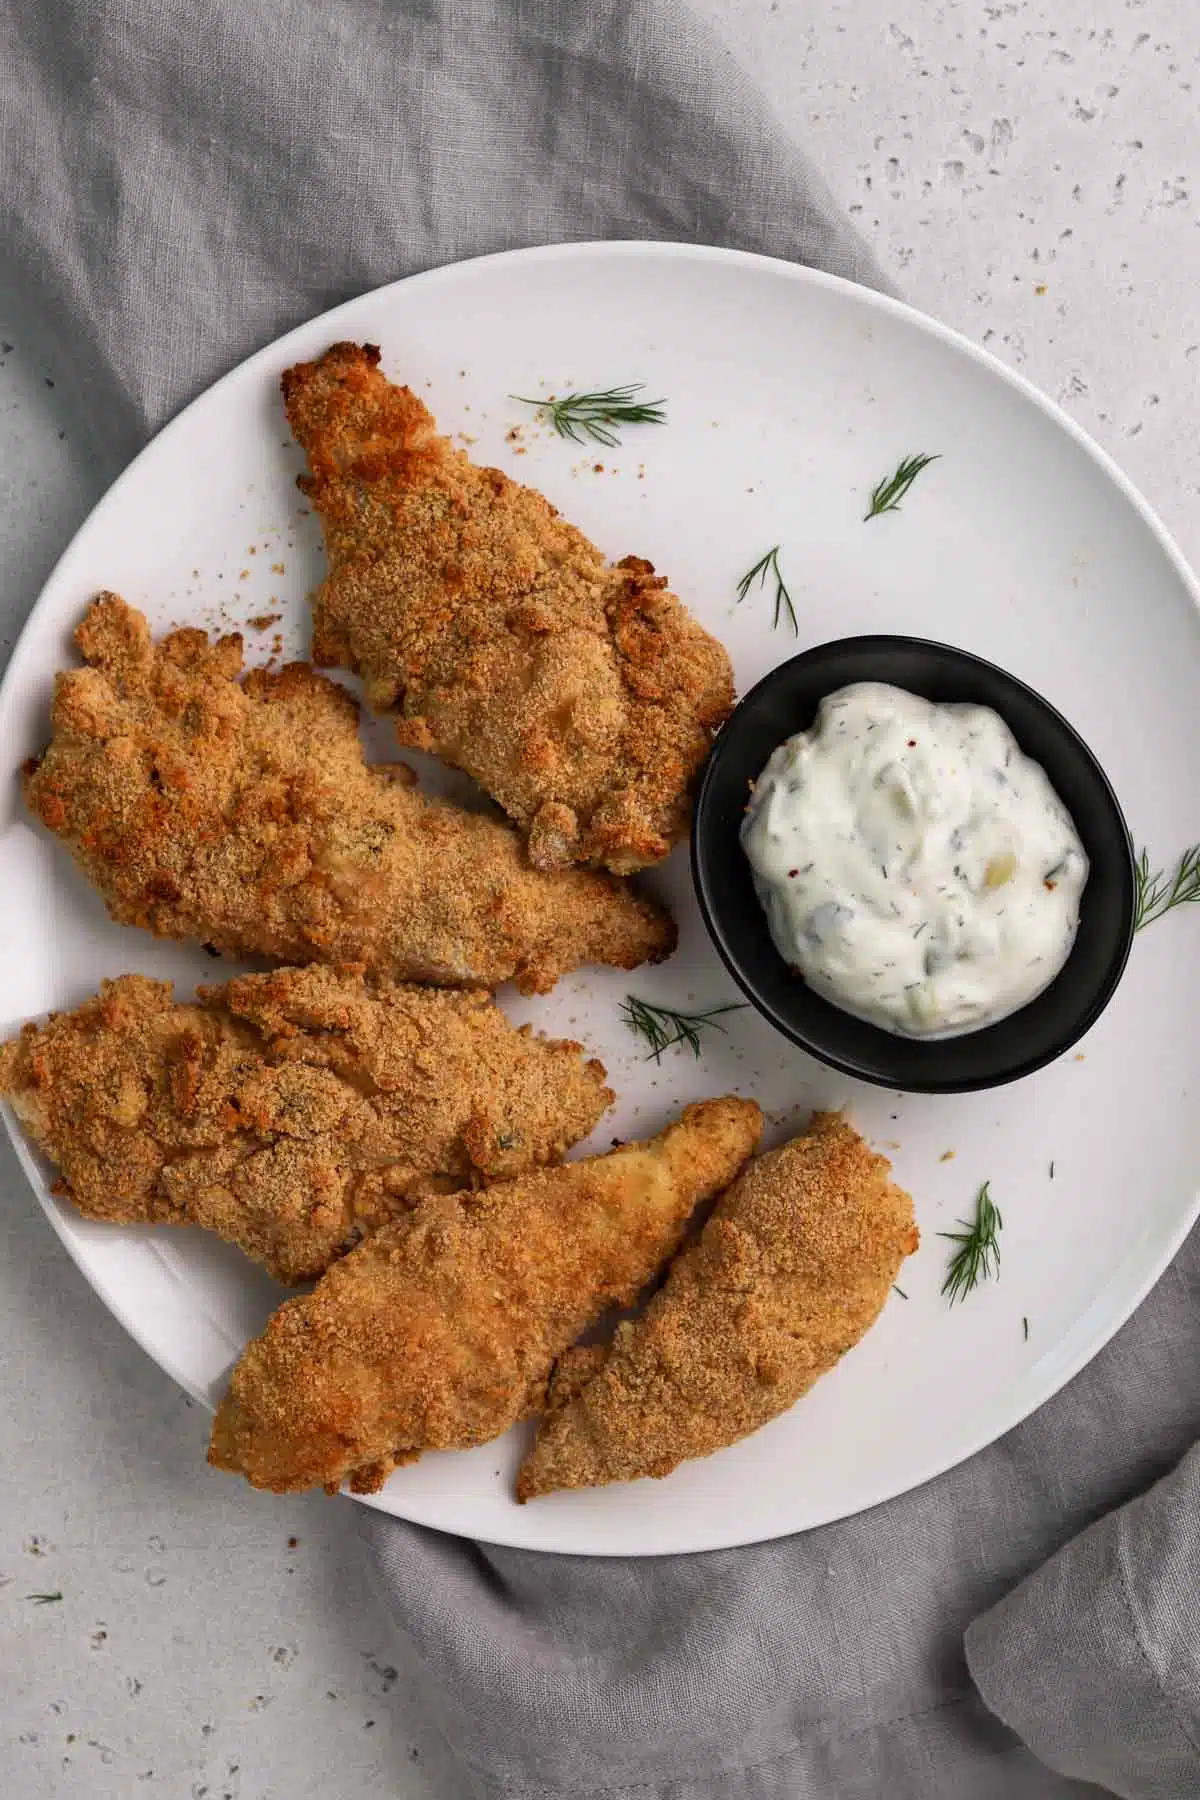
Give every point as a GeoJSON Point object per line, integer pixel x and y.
{"type": "Point", "coordinates": [914, 866]}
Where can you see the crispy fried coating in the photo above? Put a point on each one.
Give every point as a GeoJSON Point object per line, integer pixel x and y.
{"type": "Point", "coordinates": [583, 697]}
{"type": "Point", "coordinates": [440, 1331]}
{"type": "Point", "coordinates": [293, 1112]}
{"type": "Point", "coordinates": [242, 813]}
{"type": "Point", "coordinates": [790, 1271]}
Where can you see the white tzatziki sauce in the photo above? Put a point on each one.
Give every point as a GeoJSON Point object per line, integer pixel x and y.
{"type": "Point", "coordinates": [914, 866]}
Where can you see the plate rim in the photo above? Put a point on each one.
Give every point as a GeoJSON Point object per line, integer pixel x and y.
{"type": "Point", "coordinates": [1085, 1340]}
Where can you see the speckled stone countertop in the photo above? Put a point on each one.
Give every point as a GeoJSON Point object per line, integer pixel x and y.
{"type": "Point", "coordinates": [1023, 171]}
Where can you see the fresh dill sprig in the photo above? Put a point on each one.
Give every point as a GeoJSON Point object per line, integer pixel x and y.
{"type": "Point", "coordinates": [890, 492]}
{"type": "Point", "coordinates": [978, 1255]}
{"type": "Point", "coordinates": [583, 416]}
{"type": "Point", "coordinates": [44, 1599]}
{"type": "Point", "coordinates": [662, 1028]}
{"type": "Point", "coordinates": [1158, 893]}
{"type": "Point", "coordinates": [769, 565]}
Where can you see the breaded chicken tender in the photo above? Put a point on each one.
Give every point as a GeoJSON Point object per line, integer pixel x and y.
{"type": "Point", "coordinates": [440, 1331]}
{"type": "Point", "coordinates": [582, 696]}
{"type": "Point", "coordinates": [790, 1271]}
{"type": "Point", "coordinates": [294, 1112]}
{"type": "Point", "coordinates": [242, 813]}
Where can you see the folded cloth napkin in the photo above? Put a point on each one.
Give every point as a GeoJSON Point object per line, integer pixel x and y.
{"type": "Point", "coordinates": [1117, 1612]}
{"type": "Point", "coordinates": [180, 180]}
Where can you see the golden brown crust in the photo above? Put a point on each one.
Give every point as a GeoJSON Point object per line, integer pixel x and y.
{"type": "Point", "coordinates": [242, 813]}
{"type": "Point", "coordinates": [440, 1331]}
{"type": "Point", "coordinates": [294, 1112]}
{"type": "Point", "coordinates": [582, 696]}
{"type": "Point", "coordinates": [791, 1270]}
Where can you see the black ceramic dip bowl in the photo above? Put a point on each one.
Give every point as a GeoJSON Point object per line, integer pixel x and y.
{"type": "Point", "coordinates": [786, 702]}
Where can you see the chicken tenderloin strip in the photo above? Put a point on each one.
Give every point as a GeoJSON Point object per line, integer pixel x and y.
{"type": "Point", "coordinates": [440, 1331]}
{"type": "Point", "coordinates": [582, 696]}
{"type": "Point", "coordinates": [791, 1270]}
{"type": "Point", "coordinates": [241, 813]}
{"type": "Point", "coordinates": [291, 1113]}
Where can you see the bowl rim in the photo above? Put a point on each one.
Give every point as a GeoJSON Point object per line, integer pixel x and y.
{"type": "Point", "coordinates": [1080, 1023]}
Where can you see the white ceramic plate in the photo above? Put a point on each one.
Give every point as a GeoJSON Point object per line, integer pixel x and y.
{"type": "Point", "coordinates": [789, 395]}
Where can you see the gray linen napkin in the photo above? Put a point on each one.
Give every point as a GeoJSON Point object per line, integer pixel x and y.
{"type": "Point", "coordinates": [1119, 1607]}
{"type": "Point", "coordinates": [185, 179]}
{"type": "Point", "coordinates": [180, 180]}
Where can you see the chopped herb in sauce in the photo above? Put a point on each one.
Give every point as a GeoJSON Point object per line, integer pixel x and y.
{"type": "Point", "coordinates": [925, 908]}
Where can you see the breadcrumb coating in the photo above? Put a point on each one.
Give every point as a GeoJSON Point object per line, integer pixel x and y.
{"type": "Point", "coordinates": [291, 1113]}
{"type": "Point", "coordinates": [440, 1331]}
{"type": "Point", "coordinates": [582, 696]}
{"type": "Point", "coordinates": [790, 1271]}
{"type": "Point", "coordinates": [241, 812]}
